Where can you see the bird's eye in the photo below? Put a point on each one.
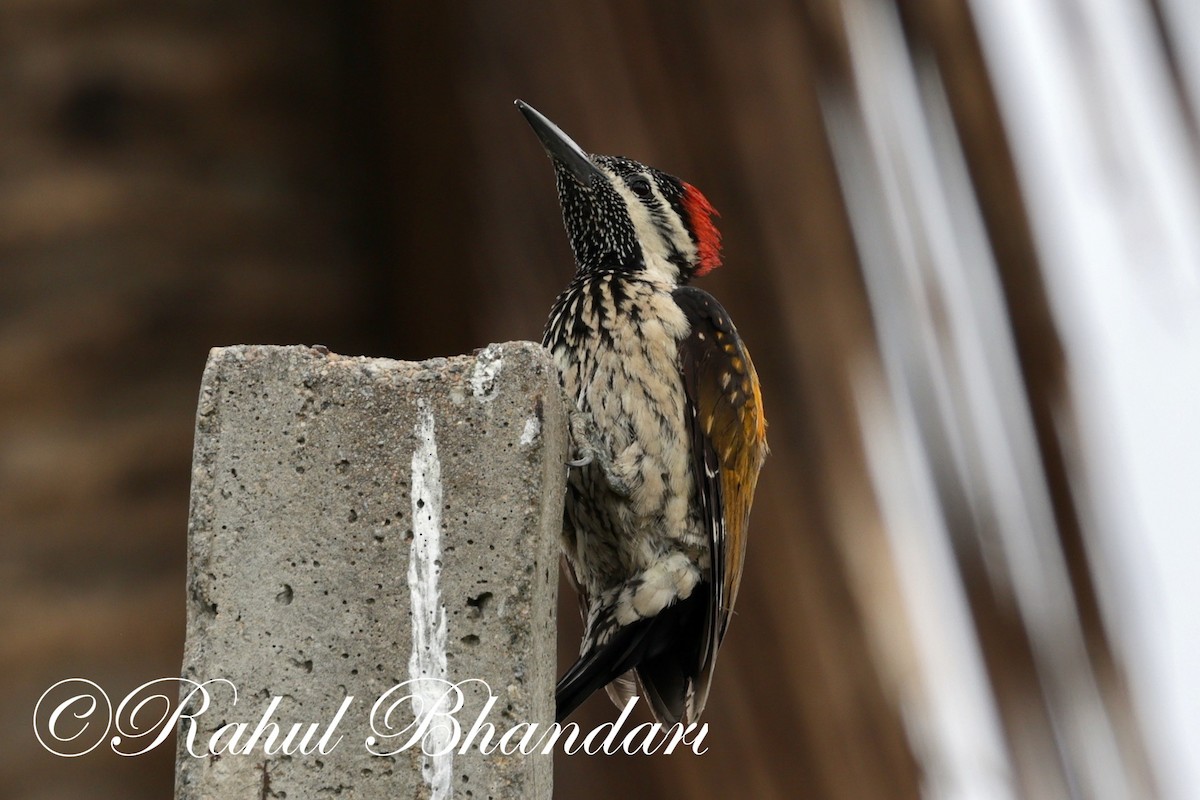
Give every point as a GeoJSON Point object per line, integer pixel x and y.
{"type": "Point", "coordinates": [641, 187]}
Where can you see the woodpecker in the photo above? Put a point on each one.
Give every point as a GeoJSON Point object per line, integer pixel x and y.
{"type": "Point", "coordinates": [669, 429]}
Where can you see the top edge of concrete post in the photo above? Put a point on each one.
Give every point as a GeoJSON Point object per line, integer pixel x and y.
{"type": "Point", "coordinates": [357, 523]}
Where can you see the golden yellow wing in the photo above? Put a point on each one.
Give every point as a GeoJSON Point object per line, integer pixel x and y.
{"type": "Point", "coordinates": [728, 447]}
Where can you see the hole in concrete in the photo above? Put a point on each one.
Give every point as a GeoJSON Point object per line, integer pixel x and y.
{"type": "Point", "coordinates": [470, 639]}
{"type": "Point", "coordinates": [352, 516]}
{"type": "Point", "coordinates": [284, 598]}
{"type": "Point", "coordinates": [479, 603]}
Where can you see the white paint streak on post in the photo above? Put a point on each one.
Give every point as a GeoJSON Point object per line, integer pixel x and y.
{"type": "Point", "coordinates": [428, 659]}
{"type": "Point", "coordinates": [488, 363]}
{"type": "Point", "coordinates": [533, 429]}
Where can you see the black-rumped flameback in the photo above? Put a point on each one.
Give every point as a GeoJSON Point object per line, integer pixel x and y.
{"type": "Point", "coordinates": [668, 425]}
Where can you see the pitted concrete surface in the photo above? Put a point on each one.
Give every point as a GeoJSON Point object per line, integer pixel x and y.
{"type": "Point", "coordinates": [301, 538]}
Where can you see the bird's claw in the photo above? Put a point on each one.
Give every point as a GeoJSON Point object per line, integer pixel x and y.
{"type": "Point", "coordinates": [591, 451]}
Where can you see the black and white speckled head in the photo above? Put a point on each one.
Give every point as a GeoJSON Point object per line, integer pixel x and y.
{"type": "Point", "coordinates": [623, 215]}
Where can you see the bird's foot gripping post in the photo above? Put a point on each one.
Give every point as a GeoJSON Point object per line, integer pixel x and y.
{"type": "Point", "coordinates": [590, 450]}
{"type": "Point", "coordinates": [357, 525]}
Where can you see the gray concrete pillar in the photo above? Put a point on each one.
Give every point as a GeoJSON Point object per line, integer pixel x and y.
{"type": "Point", "coordinates": [356, 524]}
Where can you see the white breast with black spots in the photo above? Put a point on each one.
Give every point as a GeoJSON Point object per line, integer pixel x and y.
{"type": "Point", "coordinates": [615, 341]}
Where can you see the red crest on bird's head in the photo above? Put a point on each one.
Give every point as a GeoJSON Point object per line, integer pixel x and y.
{"type": "Point", "coordinates": [708, 238]}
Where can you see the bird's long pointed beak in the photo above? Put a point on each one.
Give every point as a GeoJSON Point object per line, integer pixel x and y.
{"type": "Point", "coordinates": [559, 146]}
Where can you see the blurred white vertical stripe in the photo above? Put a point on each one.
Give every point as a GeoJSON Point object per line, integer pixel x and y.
{"type": "Point", "coordinates": [1111, 184]}
{"type": "Point", "coordinates": [924, 432]}
{"type": "Point", "coordinates": [1181, 22]}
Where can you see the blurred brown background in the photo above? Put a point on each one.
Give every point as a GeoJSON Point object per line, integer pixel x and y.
{"type": "Point", "coordinates": [178, 175]}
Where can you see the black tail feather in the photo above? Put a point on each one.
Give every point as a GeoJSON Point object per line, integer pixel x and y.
{"type": "Point", "coordinates": [663, 649]}
{"type": "Point", "coordinates": [601, 665]}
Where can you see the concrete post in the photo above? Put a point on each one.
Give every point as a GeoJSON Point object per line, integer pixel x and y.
{"type": "Point", "coordinates": [356, 523]}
